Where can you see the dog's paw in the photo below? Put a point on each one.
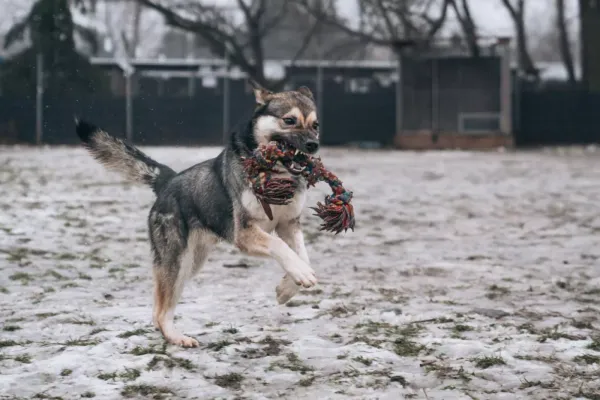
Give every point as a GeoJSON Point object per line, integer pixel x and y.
{"type": "Point", "coordinates": [303, 275]}
{"type": "Point", "coordinates": [182, 340]}
{"type": "Point", "coordinates": [286, 289]}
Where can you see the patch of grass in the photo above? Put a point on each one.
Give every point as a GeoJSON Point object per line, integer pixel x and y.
{"type": "Point", "coordinates": [340, 311]}
{"type": "Point", "coordinates": [95, 331]}
{"type": "Point", "coordinates": [405, 347]}
{"type": "Point", "coordinates": [140, 350]}
{"type": "Point", "coordinates": [23, 358]}
{"type": "Point", "coordinates": [3, 290]}
{"type": "Point", "coordinates": [367, 340]}
{"type": "Point", "coordinates": [170, 363]}
{"type": "Point", "coordinates": [528, 327]}
{"type": "Point", "coordinates": [84, 276]}
{"type": "Point", "coordinates": [49, 289]}
{"type": "Point", "coordinates": [232, 380]}
{"type": "Point", "coordinates": [77, 321]}
{"type": "Point", "coordinates": [18, 254]}
{"type": "Point", "coordinates": [24, 277]}
{"type": "Point", "coordinates": [529, 384]}
{"type": "Point", "coordinates": [587, 395]}
{"type": "Point", "coordinates": [66, 257]}
{"type": "Point", "coordinates": [488, 361]}
{"type": "Point", "coordinates": [400, 379]}
{"type": "Point", "coordinates": [300, 303]}
{"type": "Point", "coordinates": [293, 363]}
{"type": "Point", "coordinates": [136, 332]}
{"type": "Point", "coordinates": [582, 325]}
{"type": "Point", "coordinates": [69, 285]}
{"type": "Point", "coordinates": [595, 345]}
{"type": "Point", "coordinates": [554, 334]}
{"type": "Point", "coordinates": [11, 328]}
{"type": "Point", "coordinates": [307, 381]}
{"type": "Point", "coordinates": [56, 275]}
{"type": "Point", "coordinates": [221, 344]}
{"type": "Point", "coordinates": [496, 291]}
{"type": "Point", "coordinates": [66, 372]}
{"type": "Point", "coordinates": [462, 328]}
{"type": "Point", "coordinates": [211, 324]}
{"type": "Point", "coordinates": [8, 343]}
{"type": "Point", "coordinates": [46, 315]}
{"type": "Point", "coordinates": [587, 359]}
{"type": "Point", "coordinates": [445, 372]}
{"type": "Point", "coordinates": [363, 360]}
{"type": "Point", "coordinates": [231, 330]}
{"type": "Point", "coordinates": [545, 359]}
{"type": "Point", "coordinates": [147, 391]}
{"type": "Point", "coordinates": [273, 346]}
{"type": "Point", "coordinates": [130, 374]}
{"type": "Point", "coordinates": [82, 342]}
{"type": "Point", "coordinates": [47, 397]}
{"type": "Point", "coordinates": [88, 395]}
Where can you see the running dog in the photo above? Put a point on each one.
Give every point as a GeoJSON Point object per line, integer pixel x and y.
{"type": "Point", "coordinates": [212, 201]}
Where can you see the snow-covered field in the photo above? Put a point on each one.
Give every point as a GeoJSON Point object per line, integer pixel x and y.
{"type": "Point", "coordinates": [469, 276]}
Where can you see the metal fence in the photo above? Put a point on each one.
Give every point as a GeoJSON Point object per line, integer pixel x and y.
{"type": "Point", "coordinates": [557, 116]}
{"type": "Point", "coordinates": [358, 102]}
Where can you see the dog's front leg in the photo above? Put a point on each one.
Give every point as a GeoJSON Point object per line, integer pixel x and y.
{"type": "Point", "coordinates": [255, 241]}
{"type": "Point", "coordinates": [291, 233]}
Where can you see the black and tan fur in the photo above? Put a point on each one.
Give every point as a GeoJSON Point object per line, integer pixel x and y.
{"type": "Point", "coordinates": [211, 201]}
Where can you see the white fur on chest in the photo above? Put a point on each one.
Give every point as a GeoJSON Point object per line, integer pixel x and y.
{"type": "Point", "coordinates": [280, 213]}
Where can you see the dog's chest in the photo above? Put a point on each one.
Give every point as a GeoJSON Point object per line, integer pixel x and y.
{"type": "Point", "coordinates": [281, 214]}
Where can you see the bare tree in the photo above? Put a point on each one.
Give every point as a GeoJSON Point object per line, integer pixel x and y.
{"type": "Point", "coordinates": [564, 42]}
{"type": "Point", "coordinates": [468, 26]}
{"type": "Point", "coordinates": [220, 27]}
{"type": "Point", "coordinates": [517, 13]}
{"type": "Point", "coordinates": [391, 23]}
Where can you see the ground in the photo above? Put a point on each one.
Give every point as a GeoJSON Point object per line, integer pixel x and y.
{"type": "Point", "coordinates": [469, 276]}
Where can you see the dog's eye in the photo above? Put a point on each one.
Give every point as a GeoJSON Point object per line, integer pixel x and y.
{"type": "Point", "coordinates": [315, 125]}
{"type": "Point", "coordinates": [290, 121]}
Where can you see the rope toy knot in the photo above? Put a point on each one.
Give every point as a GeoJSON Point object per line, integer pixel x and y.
{"type": "Point", "coordinates": [337, 212]}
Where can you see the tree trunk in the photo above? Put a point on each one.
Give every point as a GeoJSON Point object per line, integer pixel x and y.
{"type": "Point", "coordinates": [525, 61]}
{"type": "Point", "coordinates": [589, 14]}
{"type": "Point", "coordinates": [468, 26]}
{"type": "Point", "coordinates": [564, 42]}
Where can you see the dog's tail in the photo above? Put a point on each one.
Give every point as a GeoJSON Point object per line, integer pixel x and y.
{"type": "Point", "coordinates": [120, 156]}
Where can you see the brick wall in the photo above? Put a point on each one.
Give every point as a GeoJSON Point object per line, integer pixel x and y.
{"type": "Point", "coordinates": [426, 140]}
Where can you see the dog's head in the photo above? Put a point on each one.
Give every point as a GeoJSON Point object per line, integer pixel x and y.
{"type": "Point", "coordinates": [286, 117]}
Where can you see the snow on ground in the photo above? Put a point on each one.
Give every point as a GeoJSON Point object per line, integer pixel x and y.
{"type": "Point", "coordinates": [469, 276]}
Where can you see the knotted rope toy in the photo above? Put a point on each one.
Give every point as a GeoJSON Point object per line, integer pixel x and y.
{"type": "Point", "coordinates": [337, 212]}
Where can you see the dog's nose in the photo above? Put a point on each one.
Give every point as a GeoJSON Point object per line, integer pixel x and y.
{"type": "Point", "coordinates": [312, 146]}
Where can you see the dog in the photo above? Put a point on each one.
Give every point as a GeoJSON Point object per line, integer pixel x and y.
{"type": "Point", "coordinates": [212, 201]}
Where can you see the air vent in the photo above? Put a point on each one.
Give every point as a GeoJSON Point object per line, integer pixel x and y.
{"type": "Point", "coordinates": [478, 123]}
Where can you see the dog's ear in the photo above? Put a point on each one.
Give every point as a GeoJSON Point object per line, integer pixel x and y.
{"type": "Point", "coordinates": [305, 91]}
{"type": "Point", "coordinates": [261, 94]}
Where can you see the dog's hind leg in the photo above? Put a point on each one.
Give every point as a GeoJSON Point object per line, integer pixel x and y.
{"type": "Point", "coordinates": [175, 265]}
{"type": "Point", "coordinates": [291, 233]}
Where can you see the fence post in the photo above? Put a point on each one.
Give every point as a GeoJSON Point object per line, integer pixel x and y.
{"type": "Point", "coordinates": [128, 106]}
{"type": "Point", "coordinates": [399, 95]}
{"type": "Point", "coordinates": [39, 94]}
{"type": "Point", "coordinates": [226, 100]}
{"type": "Point", "coordinates": [435, 97]}
{"type": "Point", "coordinates": [320, 89]}
{"type": "Point", "coordinates": [506, 89]}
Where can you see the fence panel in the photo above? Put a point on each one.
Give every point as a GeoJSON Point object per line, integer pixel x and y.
{"type": "Point", "coordinates": [554, 116]}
